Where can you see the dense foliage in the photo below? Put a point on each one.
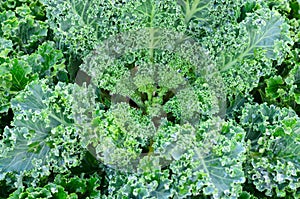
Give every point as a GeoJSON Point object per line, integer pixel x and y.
{"type": "Point", "coordinates": [149, 99]}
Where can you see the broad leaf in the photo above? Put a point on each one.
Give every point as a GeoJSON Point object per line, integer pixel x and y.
{"type": "Point", "coordinates": [21, 157]}
{"type": "Point", "coordinates": [38, 115]}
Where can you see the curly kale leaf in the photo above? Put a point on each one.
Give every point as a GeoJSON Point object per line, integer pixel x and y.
{"type": "Point", "coordinates": [22, 33]}
{"type": "Point", "coordinates": [283, 90]}
{"type": "Point", "coordinates": [17, 72]}
{"type": "Point", "coordinates": [82, 24]}
{"type": "Point", "coordinates": [47, 61]}
{"type": "Point", "coordinates": [275, 148]}
{"type": "Point", "coordinates": [15, 75]}
{"type": "Point", "coordinates": [256, 43]}
{"type": "Point", "coordinates": [210, 166]}
{"type": "Point", "coordinates": [63, 186]}
{"type": "Point", "coordinates": [26, 150]}
{"type": "Point", "coordinates": [245, 44]}
{"type": "Point", "coordinates": [195, 9]}
{"type": "Point", "coordinates": [42, 132]}
{"type": "Point", "coordinates": [22, 28]}
{"type": "Point", "coordinates": [79, 24]}
{"type": "Point", "coordinates": [262, 34]}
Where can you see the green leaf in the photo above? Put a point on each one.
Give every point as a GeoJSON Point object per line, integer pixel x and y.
{"type": "Point", "coordinates": [222, 164]}
{"type": "Point", "coordinates": [5, 48]}
{"type": "Point", "coordinates": [21, 75]}
{"type": "Point", "coordinates": [262, 34]}
{"type": "Point", "coordinates": [5, 79]}
{"type": "Point", "coordinates": [80, 186]}
{"type": "Point", "coordinates": [15, 74]}
{"type": "Point", "coordinates": [38, 117]}
{"type": "Point", "coordinates": [273, 163]}
{"type": "Point", "coordinates": [275, 87]}
{"type": "Point", "coordinates": [246, 195]}
{"type": "Point", "coordinates": [20, 158]}
{"type": "Point", "coordinates": [81, 22]}
{"type": "Point", "coordinates": [212, 163]}
{"type": "Point", "coordinates": [34, 100]}
{"type": "Point", "coordinates": [195, 9]}
{"type": "Point", "coordinates": [46, 61]}
{"type": "Point", "coordinates": [23, 29]}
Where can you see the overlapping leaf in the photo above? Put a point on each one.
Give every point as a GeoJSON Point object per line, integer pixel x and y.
{"type": "Point", "coordinates": [39, 114]}
{"type": "Point", "coordinates": [274, 164]}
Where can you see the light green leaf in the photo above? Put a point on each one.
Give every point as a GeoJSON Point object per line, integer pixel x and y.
{"type": "Point", "coordinates": [213, 164]}
{"type": "Point", "coordinates": [21, 157]}
{"type": "Point", "coordinates": [38, 117]}
{"type": "Point", "coordinates": [5, 48]}
{"type": "Point", "coordinates": [21, 75]}
{"type": "Point", "coordinates": [222, 163]}
{"type": "Point", "coordinates": [195, 9]}
{"type": "Point", "coordinates": [81, 22]}
{"type": "Point", "coordinates": [262, 34]}
{"type": "Point", "coordinates": [273, 163]}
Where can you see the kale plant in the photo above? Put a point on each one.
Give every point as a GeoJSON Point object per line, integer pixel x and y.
{"type": "Point", "coordinates": [149, 99]}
